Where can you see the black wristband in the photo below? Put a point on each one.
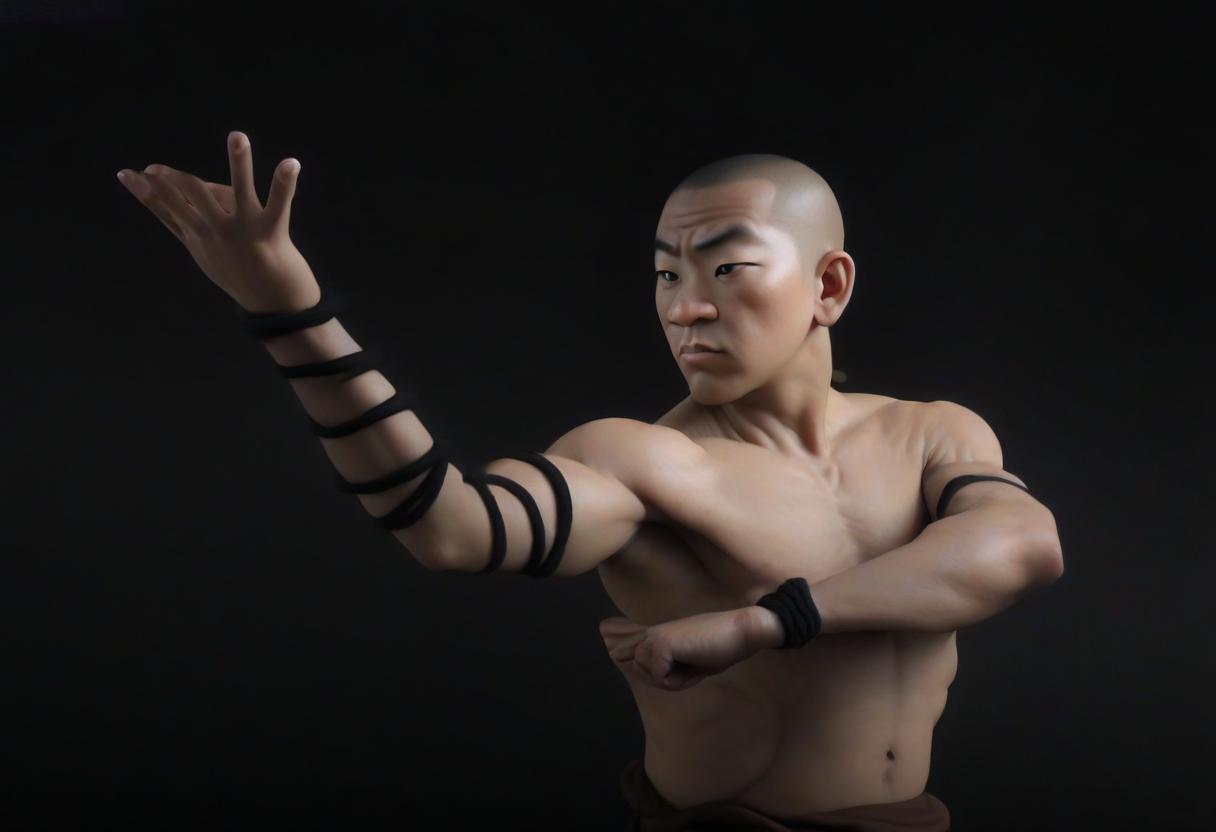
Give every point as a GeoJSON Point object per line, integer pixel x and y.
{"type": "Point", "coordinates": [792, 603]}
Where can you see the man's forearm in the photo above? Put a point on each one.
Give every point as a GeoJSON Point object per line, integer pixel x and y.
{"type": "Point", "coordinates": [368, 453]}
{"type": "Point", "coordinates": [957, 572]}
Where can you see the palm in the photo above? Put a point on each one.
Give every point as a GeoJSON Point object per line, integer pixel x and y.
{"type": "Point", "coordinates": [241, 245]}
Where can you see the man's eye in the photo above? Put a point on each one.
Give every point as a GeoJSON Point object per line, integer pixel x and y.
{"type": "Point", "coordinates": [731, 265]}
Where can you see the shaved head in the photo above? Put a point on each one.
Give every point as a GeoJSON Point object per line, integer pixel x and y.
{"type": "Point", "coordinates": [804, 205]}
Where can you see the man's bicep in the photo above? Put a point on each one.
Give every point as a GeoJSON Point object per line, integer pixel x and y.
{"type": "Point", "coordinates": [958, 442]}
{"type": "Point", "coordinates": [590, 515]}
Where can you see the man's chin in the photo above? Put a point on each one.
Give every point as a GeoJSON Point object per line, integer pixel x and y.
{"type": "Point", "coordinates": [710, 394]}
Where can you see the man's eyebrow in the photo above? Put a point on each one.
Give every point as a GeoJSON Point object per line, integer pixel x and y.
{"type": "Point", "coordinates": [741, 232]}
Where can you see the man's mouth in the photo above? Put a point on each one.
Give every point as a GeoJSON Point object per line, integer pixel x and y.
{"type": "Point", "coordinates": [696, 356]}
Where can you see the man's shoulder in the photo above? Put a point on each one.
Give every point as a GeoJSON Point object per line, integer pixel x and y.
{"type": "Point", "coordinates": [925, 419]}
{"type": "Point", "coordinates": [585, 436]}
{"type": "Point", "coordinates": [957, 441]}
{"type": "Point", "coordinates": [944, 428]}
{"type": "Point", "coordinates": [952, 429]}
{"type": "Point", "coordinates": [631, 450]}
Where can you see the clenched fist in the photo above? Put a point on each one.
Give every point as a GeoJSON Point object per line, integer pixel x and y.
{"type": "Point", "coordinates": [676, 655]}
{"type": "Point", "coordinates": [241, 245]}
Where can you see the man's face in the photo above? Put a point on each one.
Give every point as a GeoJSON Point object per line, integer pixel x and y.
{"type": "Point", "coordinates": [727, 277]}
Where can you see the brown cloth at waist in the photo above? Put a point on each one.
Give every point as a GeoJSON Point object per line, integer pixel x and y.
{"type": "Point", "coordinates": [652, 813]}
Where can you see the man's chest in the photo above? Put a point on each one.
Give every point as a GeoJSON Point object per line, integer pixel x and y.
{"type": "Point", "coordinates": [766, 517]}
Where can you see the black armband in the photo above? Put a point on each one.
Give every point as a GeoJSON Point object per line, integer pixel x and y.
{"type": "Point", "coordinates": [966, 479]}
{"type": "Point", "coordinates": [434, 462]}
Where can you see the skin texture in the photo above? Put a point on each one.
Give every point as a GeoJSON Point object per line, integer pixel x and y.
{"type": "Point", "coordinates": [243, 247]}
{"type": "Point", "coordinates": [847, 719]}
{"type": "Point", "coordinates": [775, 338]}
{"type": "Point", "coordinates": [771, 383]}
{"type": "Point", "coordinates": [763, 472]}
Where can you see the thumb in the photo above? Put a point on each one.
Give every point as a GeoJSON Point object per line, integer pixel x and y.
{"type": "Point", "coordinates": [619, 626]}
{"type": "Point", "coordinates": [618, 631]}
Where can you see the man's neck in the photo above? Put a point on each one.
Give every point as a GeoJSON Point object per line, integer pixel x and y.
{"type": "Point", "coordinates": [791, 419]}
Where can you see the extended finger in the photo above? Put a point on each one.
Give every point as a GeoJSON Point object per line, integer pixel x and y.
{"type": "Point", "coordinates": [172, 200]}
{"type": "Point", "coordinates": [138, 184]}
{"type": "Point", "coordinates": [282, 188]}
{"type": "Point", "coordinates": [196, 192]}
{"type": "Point", "coordinates": [240, 164]}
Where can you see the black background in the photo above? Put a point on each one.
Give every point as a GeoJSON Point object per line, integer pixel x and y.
{"type": "Point", "coordinates": [201, 630]}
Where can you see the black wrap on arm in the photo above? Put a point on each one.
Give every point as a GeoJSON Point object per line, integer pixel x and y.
{"type": "Point", "coordinates": [434, 462]}
{"type": "Point", "coordinates": [536, 567]}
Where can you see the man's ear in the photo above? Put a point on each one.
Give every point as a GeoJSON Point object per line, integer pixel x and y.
{"type": "Point", "coordinates": [834, 285]}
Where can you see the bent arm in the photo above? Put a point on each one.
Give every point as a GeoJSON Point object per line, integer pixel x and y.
{"type": "Point", "coordinates": [957, 572]}
{"type": "Point", "coordinates": [988, 543]}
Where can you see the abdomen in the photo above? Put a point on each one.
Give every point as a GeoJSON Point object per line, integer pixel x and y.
{"type": "Point", "coordinates": [858, 720]}
{"type": "Point", "coordinates": [786, 731]}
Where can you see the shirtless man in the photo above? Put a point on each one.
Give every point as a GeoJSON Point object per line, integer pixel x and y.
{"type": "Point", "coordinates": [763, 473]}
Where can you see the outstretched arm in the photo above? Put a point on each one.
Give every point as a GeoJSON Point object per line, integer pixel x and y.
{"type": "Point", "coordinates": [567, 509]}
{"type": "Point", "coordinates": [559, 513]}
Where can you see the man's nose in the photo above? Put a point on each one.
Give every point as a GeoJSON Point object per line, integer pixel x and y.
{"type": "Point", "coordinates": [692, 305]}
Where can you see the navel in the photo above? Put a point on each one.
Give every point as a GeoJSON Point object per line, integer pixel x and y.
{"type": "Point", "coordinates": [890, 754]}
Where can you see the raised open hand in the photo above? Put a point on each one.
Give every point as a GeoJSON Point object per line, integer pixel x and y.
{"type": "Point", "coordinates": [243, 247]}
